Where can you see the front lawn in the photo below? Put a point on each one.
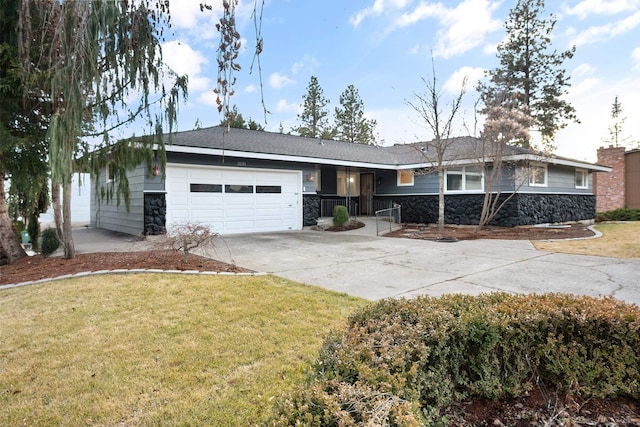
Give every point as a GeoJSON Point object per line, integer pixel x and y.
{"type": "Point", "coordinates": [619, 240]}
{"type": "Point", "coordinates": [158, 349]}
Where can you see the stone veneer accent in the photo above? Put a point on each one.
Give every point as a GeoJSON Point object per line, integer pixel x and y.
{"type": "Point", "coordinates": [310, 209]}
{"type": "Point", "coordinates": [155, 214]}
{"type": "Point", "coordinates": [609, 187]}
{"type": "Point", "coordinates": [522, 209]}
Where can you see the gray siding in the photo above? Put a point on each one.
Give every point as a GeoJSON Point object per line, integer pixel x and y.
{"type": "Point", "coordinates": [560, 180]}
{"type": "Point", "coordinates": [110, 216]}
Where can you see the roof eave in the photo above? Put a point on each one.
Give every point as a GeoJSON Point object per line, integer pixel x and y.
{"type": "Point", "coordinates": [271, 156]}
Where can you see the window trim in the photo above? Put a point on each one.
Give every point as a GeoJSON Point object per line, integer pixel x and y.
{"type": "Point", "coordinates": [545, 168]}
{"type": "Point", "coordinates": [463, 173]}
{"type": "Point", "coordinates": [585, 174]}
{"type": "Point", "coordinates": [399, 182]}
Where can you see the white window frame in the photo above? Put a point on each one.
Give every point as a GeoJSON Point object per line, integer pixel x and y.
{"type": "Point", "coordinates": [585, 178]}
{"type": "Point", "coordinates": [463, 172]}
{"type": "Point", "coordinates": [538, 166]}
{"type": "Point", "coordinates": [399, 178]}
{"type": "Point", "coordinates": [110, 177]}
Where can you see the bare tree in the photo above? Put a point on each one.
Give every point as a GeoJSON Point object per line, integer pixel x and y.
{"type": "Point", "coordinates": [438, 117]}
{"type": "Point", "coordinates": [501, 128]}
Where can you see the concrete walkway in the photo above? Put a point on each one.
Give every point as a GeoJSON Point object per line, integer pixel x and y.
{"type": "Point", "coordinates": [360, 263]}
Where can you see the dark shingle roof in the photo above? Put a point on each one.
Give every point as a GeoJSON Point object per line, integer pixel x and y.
{"type": "Point", "coordinates": [279, 144]}
{"type": "Point", "coordinates": [244, 140]}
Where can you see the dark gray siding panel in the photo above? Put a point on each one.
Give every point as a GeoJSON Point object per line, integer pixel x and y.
{"type": "Point", "coordinates": [110, 216]}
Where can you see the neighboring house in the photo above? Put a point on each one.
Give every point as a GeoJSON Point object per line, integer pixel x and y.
{"type": "Point", "coordinates": [254, 181]}
{"type": "Point", "coordinates": [621, 187]}
{"type": "Point", "coordinates": [80, 202]}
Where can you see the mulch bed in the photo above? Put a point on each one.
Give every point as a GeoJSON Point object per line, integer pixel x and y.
{"type": "Point", "coordinates": [38, 267]}
{"type": "Point", "coordinates": [425, 232]}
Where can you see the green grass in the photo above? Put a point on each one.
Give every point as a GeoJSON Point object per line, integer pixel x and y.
{"type": "Point", "coordinates": [619, 240]}
{"type": "Point", "coordinates": [158, 349]}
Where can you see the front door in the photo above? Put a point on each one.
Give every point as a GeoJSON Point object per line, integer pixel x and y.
{"type": "Point", "coordinates": [366, 193]}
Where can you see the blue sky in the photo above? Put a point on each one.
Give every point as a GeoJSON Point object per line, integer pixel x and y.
{"type": "Point", "coordinates": [383, 48]}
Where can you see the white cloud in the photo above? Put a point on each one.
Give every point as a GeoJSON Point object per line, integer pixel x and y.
{"type": "Point", "coordinates": [250, 89]}
{"type": "Point", "coordinates": [453, 85]}
{"type": "Point", "coordinates": [277, 80]}
{"type": "Point", "coordinates": [583, 70]}
{"type": "Point", "coordinates": [586, 8]}
{"type": "Point", "coordinates": [596, 34]}
{"type": "Point", "coordinates": [284, 106]}
{"type": "Point", "coordinates": [378, 8]}
{"type": "Point", "coordinates": [308, 62]}
{"type": "Point", "coordinates": [187, 14]}
{"type": "Point", "coordinates": [182, 59]}
{"type": "Point", "coordinates": [635, 56]}
{"type": "Point", "coordinates": [208, 98]}
{"type": "Point", "coordinates": [462, 27]}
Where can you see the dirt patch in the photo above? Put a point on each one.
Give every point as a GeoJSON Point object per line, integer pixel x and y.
{"type": "Point", "coordinates": [424, 232]}
{"type": "Point", "coordinates": [551, 410]}
{"type": "Point", "coordinates": [38, 267]}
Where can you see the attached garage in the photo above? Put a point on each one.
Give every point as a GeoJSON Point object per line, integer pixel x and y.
{"type": "Point", "coordinates": [234, 200]}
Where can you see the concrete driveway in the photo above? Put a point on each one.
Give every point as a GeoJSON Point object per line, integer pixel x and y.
{"type": "Point", "coordinates": [373, 267]}
{"type": "Point", "coordinates": [360, 263]}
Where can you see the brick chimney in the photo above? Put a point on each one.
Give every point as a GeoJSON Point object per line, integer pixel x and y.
{"type": "Point", "coordinates": [609, 186]}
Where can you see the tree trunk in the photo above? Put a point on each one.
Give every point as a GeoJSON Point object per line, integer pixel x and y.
{"type": "Point", "coordinates": [67, 234]}
{"type": "Point", "coordinates": [10, 248]}
{"type": "Point", "coordinates": [57, 208]}
{"type": "Point", "coordinates": [440, 198]}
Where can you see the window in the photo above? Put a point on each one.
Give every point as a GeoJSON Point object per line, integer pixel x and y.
{"type": "Point", "coordinates": [537, 175]}
{"type": "Point", "coordinates": [582, 178]}
{"type": "Point", "coordinates": [111, 173]}
{"type": "Point", "coordinates": [206, 188]}
{"type": "Point", "coordinates": [405, 177]}
{"type": "Point", "coordinates": [464, 179]}
{"type": "Point", "coordinates": [238, 188]}
{"type": "Point", "coordinates": [348, 184]}
{"type": "Point", "coordinates": [268, 189]}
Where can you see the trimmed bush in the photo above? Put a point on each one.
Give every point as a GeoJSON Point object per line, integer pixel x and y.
{"type": "Point", "coordinates": [404, 362]}
{"type": "Point", "coordinates": [50, 242]}
{"type": "Point", "coordinates": [622, 214]}
{"type": "Point", "coordinates": [340, 216]}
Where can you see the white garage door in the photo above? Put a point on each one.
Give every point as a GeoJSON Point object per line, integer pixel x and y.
{"type": "Point", "coordinates": [234, 200]}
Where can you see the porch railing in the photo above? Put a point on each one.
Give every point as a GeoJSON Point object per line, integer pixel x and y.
{"type": "Point", "coordinates": [389, 219]}
{"type": "Point", "coordinates": [327, 206]}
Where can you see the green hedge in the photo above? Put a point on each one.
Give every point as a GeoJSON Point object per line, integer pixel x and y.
{"type": "Point", "coordinates": [622, 214]}
{"type": "Point", "coordinates": [403, 362]}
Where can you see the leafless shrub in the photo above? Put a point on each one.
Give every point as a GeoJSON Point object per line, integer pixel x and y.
{"type": "Point", "coordinates": [187, 236]}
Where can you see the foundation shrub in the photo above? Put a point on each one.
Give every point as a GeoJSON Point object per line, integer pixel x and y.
{"type": "Point", "coordinates": [340, 216]}
{"type": "Point", "coordinates": [50, 241]}
{"type": "Point", "coordinates": [622, 214]}
{"type": "Point", "coordinates": [401, 362]}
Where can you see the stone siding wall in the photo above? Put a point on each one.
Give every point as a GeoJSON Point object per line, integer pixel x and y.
{"type": "Point", "coordinates": [522, 209]}
{"type": "Point", "coordinates": [155, 214]}
{"type": "Point", "coordinates": [609, 186]}
{"type": "Point", "coordinates": [310, 209]}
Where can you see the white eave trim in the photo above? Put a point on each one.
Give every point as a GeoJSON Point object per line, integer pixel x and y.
{"type": "Point", "coordinates": [558, 161]}
{"type": "Point", "coordinates": [519, 157]}
{"type": "Point", "coordinates": [424, 165]}
{"type": "Point", "coordinates": [268, 156]}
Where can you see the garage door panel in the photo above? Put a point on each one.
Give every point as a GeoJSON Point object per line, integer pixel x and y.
{"type": "Point", "coordinates": [273, 203]}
